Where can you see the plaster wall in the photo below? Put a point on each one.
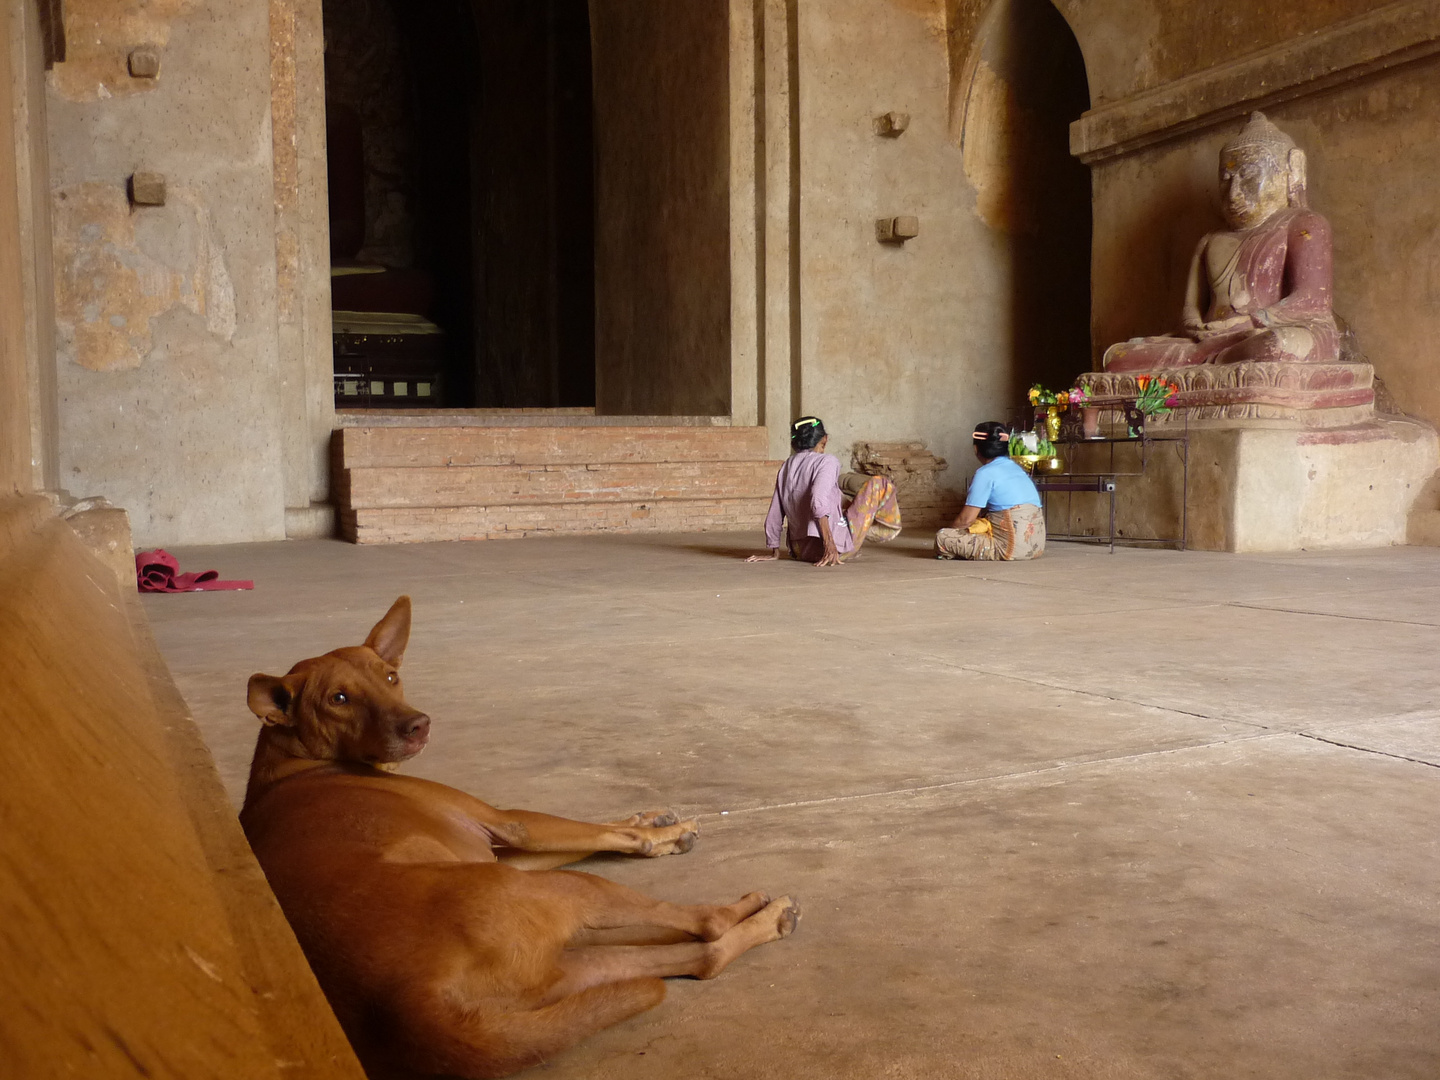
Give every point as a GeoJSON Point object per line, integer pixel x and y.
{"type": "Point", "coordinates": [1134, 45]}
{"type": "Point", "coordinates": [169, 384]}
{"type": "Point", "coordinates": [898, 342]}
{"type": "Point", "coordinates": [662, 198]}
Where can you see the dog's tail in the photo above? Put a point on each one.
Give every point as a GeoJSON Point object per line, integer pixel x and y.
{"type": "Point", "coordinates": [493, 1044]}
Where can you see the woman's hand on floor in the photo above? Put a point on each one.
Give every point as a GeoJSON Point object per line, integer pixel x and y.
{"type": "Point", "coordinates": [830, 558]}
{"type": "Point", "coordinates": [774, 554]}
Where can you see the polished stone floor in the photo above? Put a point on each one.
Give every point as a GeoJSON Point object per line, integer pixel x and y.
{"type": "Point", "coordinates": [1143, 815]}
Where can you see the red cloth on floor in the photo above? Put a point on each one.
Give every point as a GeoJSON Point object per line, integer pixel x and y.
{"type": "Point", "coordinates": [159, 571]}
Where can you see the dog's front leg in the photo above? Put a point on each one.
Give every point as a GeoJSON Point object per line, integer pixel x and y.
{"type": "Point", "coordinates": [526, 831]}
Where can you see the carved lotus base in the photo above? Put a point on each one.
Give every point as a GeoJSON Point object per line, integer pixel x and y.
{"type": "Point", "coordinates": [1315, 395]}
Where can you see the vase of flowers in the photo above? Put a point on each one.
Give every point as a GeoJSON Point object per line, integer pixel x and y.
{"type": "Point", "coordinates": [1155, 397]}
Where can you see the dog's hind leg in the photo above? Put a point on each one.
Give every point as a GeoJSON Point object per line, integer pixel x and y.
{"type": "Point", "coordinates": [480, 1045]}
{"type": "Point", "coordinates": [603, 905]}
{"type": "Point", "coordinates": [597, 965]}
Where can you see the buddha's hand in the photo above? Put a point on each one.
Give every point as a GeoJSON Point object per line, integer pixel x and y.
{"type": "Point", "coordinates": [1216, 327]}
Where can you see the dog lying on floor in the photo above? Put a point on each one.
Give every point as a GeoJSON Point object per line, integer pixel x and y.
{"type": "Point", "coordinates": [437, 926]}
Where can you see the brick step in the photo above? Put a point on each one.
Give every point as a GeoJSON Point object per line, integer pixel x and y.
{"type": "Point", "coordinates": [422, 524]}
{"type": "Point", "coordinates": [514, 485]}
{"type": "Point", "coordinates": [420, 447]}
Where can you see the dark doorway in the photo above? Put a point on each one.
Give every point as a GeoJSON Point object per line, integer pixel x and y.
{"type": "Point", "coordinates": [535, 204]}
{"type": "Point", "coordinates": [1027, 84]}
{"type": "Point", "coordinates": [462, 197]}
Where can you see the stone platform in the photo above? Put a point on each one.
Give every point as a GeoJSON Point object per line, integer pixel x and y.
{"type": "Point", "coordinates": [403, 480]}
{"type": "Point", "coordinates": [1268, 485]}
{"type": "Point", "coordinates": [1283, 457]}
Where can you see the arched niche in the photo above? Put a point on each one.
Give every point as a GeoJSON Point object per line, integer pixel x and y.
{"type": "Point", "coordinates": [1022, 84]}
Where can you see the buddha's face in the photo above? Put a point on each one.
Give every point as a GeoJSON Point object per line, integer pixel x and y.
{"type": "Point", "coordinates": [1253, 186]}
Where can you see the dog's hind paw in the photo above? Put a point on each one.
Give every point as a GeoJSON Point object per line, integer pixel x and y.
{"type": "Point", "coordinates": [651, 819]}
{"type": "Point", "coordinates": [787, 918]}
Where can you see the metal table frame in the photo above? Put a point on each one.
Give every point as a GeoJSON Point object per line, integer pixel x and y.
{"type": "Point", "coordinates": [1105, 482]}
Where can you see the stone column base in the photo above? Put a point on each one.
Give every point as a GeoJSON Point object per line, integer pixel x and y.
{"type": "Point", "coordinates": [313, 522]}
{"type": "Point", "coordinates": [1258, 487]}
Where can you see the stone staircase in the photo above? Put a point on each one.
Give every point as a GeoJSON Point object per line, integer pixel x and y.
{"type": "Point", "coordinates": [409, 479]}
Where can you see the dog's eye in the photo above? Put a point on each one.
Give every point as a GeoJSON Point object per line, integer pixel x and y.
{"type": "Point", "coordinates": [390, 678]}
{"type": "Point", "coordinates": [339, 699]}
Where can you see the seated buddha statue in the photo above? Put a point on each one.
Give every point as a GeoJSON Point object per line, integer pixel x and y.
{"type": "Point", "coordinates": [1258, 290]}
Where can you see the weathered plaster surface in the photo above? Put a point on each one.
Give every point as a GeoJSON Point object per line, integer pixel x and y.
{"type": "Point", "coordinates": [169, 395]}
{"type": "Point", "coordinates": [898, 342]}
{"type": "Point", "coordinates": [1132, 45]}
{"type": "Point", "coordinates": [118, 270]}
{"type": "Point", "coordinates": [99, 37]}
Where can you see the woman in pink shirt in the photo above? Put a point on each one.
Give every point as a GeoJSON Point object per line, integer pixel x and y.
{"type": "Point", "coordinates": [808, 497]}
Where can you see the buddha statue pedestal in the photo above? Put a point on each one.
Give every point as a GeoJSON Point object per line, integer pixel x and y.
{"type": "Point", "coordinates": [1324, 395]}
{"type": "Point", "coordinates": [1265, 485]}
{"type": "Point", "coordinates": [1285, 448]}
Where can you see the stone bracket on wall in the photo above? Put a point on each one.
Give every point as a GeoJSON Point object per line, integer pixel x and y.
{"type": "Point", "coordinates": [1398, 33]}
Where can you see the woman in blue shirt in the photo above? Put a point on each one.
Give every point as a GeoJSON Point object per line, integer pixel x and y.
{"type": "Point", "coordinates": [1013, 524]}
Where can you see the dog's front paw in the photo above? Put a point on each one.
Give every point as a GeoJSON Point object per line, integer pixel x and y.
{"type": "Point", "coordinates": [676, 839]}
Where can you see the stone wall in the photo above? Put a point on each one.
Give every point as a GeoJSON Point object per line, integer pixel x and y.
{"type": "Point", "coordinates": [898, 342]}
{"type": "Point", "coordinates": [167, 362]}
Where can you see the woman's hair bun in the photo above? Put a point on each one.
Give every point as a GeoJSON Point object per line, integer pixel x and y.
{"type": "Point", "coordinates": [992, 439]}
{"type": "Point", "coordinates": [806, 433]}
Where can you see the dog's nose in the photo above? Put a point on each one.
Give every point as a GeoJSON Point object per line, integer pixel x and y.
{"type": "Point", "coordinates": [415, 728]}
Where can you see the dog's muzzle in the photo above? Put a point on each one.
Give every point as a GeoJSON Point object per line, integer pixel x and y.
{"type": "Point", "coordinates": [413, 733]}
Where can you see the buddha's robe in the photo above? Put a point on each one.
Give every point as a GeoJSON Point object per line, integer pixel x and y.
{"type": "Point", "coordinates": [1278, 275]}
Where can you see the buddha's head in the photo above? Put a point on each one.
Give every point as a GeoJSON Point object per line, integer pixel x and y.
{"type": "Point", "coordinates": [1262, 172]}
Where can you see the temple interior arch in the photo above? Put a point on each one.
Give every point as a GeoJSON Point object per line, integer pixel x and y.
{"type": "Point", "coordinates": [1017, 94]}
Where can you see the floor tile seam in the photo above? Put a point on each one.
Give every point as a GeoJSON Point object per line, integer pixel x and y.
{"type": "Point", "coordinates": [1365, 749]}
{"type": "Point", "coordinates": [1329, 614]}
{"type": "Point", "coordinates": [1016, 774]}
{"type": "Point", "coordinates": [1030, 681]}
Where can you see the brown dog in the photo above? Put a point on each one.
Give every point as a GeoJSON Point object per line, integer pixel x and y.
{"type": "Point", "coordinates": [436, 924]}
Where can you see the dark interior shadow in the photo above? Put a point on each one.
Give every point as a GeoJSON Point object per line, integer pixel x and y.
{"type": "Point", "coordinates": [1050, 198]}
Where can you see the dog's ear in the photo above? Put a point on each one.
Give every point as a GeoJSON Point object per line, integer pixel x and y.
{"type": "Point", "coordinates": [269, 697]}
{"type": "Point", "coordinates": [392, 633]}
